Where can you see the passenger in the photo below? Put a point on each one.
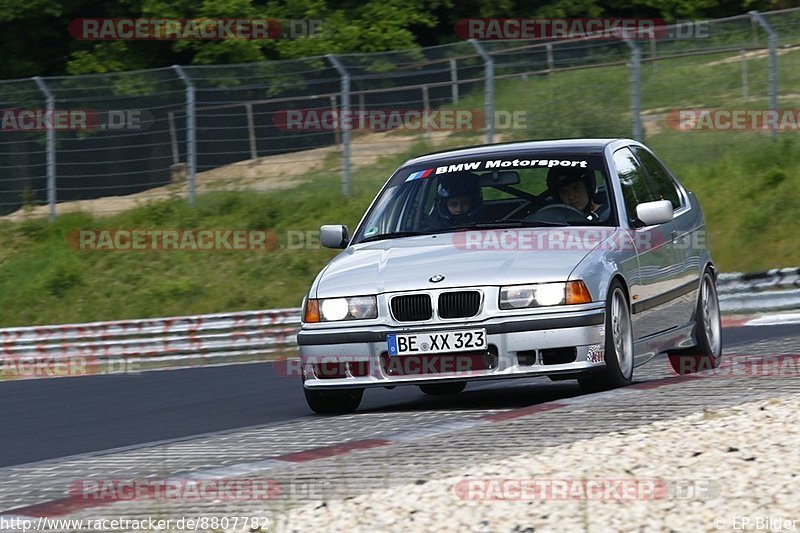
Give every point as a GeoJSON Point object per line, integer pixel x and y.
{"type": "Point", "coordinates": [576, 187]}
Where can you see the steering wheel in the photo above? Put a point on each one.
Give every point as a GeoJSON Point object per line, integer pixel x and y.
{"type": "Point", "coordinates": [557, 213]}
{"type": "Point", "coordinates": [526, 209]}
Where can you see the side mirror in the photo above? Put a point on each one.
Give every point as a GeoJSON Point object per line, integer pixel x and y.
{"type": "Point", "coordinates": [652, 213]}
{"type": "Point", "coordinates": [334, 236]}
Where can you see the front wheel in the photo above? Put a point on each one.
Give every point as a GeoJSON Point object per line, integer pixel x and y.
{"type": "Point", "coordinates": [707, 353]}
{"type": "Point", "coordinates": [334, 401]}
{"type": "Point", "coordinates": [618, 343]}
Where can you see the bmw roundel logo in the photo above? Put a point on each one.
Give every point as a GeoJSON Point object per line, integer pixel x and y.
{"type": "Point", "coordinates": [436, 279]}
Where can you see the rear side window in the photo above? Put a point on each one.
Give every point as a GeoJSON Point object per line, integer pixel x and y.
{"type": "Point", "coordinates": [633, 179]}
{"type": "Point", "coordinates": [662, 181]}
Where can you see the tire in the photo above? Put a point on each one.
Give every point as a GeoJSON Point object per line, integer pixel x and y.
{"type": "Point", "coordinates": [441, 389]}
{"type": "Point", "coordinates": [707, 353]}
{"type": "Point", "coordinates": [618, 345]}
{"type": "Point", "coordinates": [334, 401]}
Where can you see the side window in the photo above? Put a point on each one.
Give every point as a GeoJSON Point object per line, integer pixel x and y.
{"type": "Point", "coordinates": [665, 186]}
{"type": "Point", "coordinates": [635, 189]}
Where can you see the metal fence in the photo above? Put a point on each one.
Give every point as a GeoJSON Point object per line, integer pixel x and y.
{"type": "Point", "coordinates": [182, 131]}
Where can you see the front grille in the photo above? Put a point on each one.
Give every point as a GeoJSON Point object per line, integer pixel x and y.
{"type": "Point", "coordinates": [460, 304]}
{"type": "Point", "coordinates": [412, 307]}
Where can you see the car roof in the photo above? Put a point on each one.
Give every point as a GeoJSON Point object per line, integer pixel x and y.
{"type": "Point", "coordinates": [564, 146]}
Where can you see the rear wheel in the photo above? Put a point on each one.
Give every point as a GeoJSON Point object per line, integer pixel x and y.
{"type": "Point", "coordinates": [441, 389]}
{"type": "Point", "coordinates": [618, 345]}
{"type": "Point", "coordinates": [334, 401]}
{"type": "Point", "coordinates": [707, 353]}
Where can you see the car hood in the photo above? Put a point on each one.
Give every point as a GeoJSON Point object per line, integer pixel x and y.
{"type": "Point", "coordinates": [495, 257]}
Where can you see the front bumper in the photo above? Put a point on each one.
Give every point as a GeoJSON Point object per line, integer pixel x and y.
{"type": "Point", "coordinates": [521, 346]}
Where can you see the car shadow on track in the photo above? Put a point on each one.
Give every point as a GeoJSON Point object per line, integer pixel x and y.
{"type": "Point", "coordinates": [500, 395]}
{"type": "Point", "coordinates": [478, 396]}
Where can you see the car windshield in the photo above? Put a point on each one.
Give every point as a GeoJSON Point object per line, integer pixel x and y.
{"type": "Point", "coordinates": [491, 192]}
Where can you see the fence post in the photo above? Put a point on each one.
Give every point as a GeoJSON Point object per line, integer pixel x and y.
{"type": "Point", "coordinates": [653, 53]}
{"type": "Point", "coordinates": [636, 95]}
{"type": "Point", "coordinates": [51, 150]}
{"type": "Point", "coordinates": [745, 86]}
{"type": "Point", "coordinates": [251, 131]}
{"type": "Point", "coordinates": [454, 79]}
{"type": "Point", "coordinates": [344, 118]}
{"type": "Point", "coordinates": [337, 130]}
{"type": "Point", "coordinates": [772, 76]}
{"type": "Point", "coordinates": [173, 138]}
{"type": "Point", "coordinates": [361, 110]}
{"type": "Point", "coordinates": [426, 110]}
{"type": "Point", "coordinates": [488, 63]}
{"type": "Point", "coordinates": [191, 138]}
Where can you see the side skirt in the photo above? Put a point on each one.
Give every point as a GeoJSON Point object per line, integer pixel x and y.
{"type": "Point", "coordinates": [672, 339]}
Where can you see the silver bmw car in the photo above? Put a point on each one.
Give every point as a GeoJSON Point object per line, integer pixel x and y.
{"type": "Point", "coordinates": [575, 259]}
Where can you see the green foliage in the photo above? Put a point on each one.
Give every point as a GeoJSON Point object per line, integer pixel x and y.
{"type": "Point", "coordinates": [36, 40]}
{"type": "Point", "coordinates": [61, 276]}
{"type": "Point", "coordinates": [11, 10]}
{"type": "Point", "coordinates": [750, 202]}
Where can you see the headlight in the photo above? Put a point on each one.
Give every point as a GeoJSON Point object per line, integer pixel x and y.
{"type": "Point", "coordinates": [544, 294]}
{"type": "Point", "coordinates": [332, 309]}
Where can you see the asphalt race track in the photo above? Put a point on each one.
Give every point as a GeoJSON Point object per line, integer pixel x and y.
{"type": "Point", "coordinates": [250, 422]}
{"type": "Point", "coordinates": [52, 418]}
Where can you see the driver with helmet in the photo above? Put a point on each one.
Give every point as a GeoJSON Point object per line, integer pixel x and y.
{"type": "Point", "coordinates": [459, 200]}
{"type": "Point", "coordinates": [576, 187]}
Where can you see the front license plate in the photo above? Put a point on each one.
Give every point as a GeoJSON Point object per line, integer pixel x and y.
{"type": "Point", "coordinates": [445, 341]}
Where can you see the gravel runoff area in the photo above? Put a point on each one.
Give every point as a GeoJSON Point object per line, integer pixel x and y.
{"type": "Point", "coordinates": [717, 470]}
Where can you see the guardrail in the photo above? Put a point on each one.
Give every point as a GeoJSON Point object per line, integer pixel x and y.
{"type": "Point", "coordinates": [257, 335]}
{"type": "Point", "coordinates": [200, 339]}
{"type": "Point", "coordinates": [772, 290]}
{"type": "Point", "coordinates": [777, 278]}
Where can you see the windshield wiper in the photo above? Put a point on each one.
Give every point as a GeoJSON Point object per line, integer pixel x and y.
{"type": "Point", "coordinates": [546, 223]}
{"type": "Point", "coordinates": [489, 225]}
{"type": "Point", "coordinates": [393, 235]}
{"type": "Point", "coordinates": [511, 224]}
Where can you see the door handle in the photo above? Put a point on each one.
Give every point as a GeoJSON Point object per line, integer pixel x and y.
{"type": "Point", "coordinates": [674, 235]}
